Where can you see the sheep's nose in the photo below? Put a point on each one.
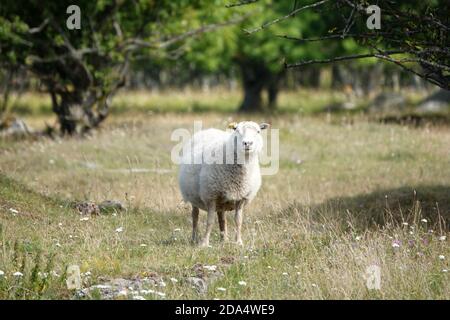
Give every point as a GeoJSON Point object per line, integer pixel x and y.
{"type": "Point", "coordinates": [247, 143]}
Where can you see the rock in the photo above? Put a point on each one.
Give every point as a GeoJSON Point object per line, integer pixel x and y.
{"type": "Point", "coordinates": [124, 288]}
{"type": "Point", "coordinates": [111, 206]}
{"type": "Point", "coordinates": [198, 283]}
{"type": "Point", "coordinates": [436, 102]}
{"type": "Point", "coordinates": [16, 127]}
{"type": "Point", "coordinates": [387, 101]}
{"type": "Point", "coordinates": [87, 208]}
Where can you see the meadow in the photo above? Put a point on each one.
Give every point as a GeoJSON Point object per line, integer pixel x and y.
{"type": "Point", "coordinates": [350, 193]}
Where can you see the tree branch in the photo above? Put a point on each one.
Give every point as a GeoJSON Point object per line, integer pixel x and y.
{"type": "Point", "coordinates": [291, 14]}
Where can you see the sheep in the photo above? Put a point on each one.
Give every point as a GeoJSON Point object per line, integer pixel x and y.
{"type": "Point", "coordinates": [221, 173]}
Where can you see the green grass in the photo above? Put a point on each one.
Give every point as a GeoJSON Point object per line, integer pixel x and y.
{"type": "Point", "coordinates": [340, 199]}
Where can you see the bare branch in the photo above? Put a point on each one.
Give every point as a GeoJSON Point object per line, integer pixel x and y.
{"type": "Point", "coordinates": [341, 58]}
{"type": "Point", "coordinates": [291, 14]}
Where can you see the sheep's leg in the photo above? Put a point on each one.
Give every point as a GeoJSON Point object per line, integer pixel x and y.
{"type": "Point", "coordinates": [238, 220]}
{"type": "Point", "coordinates": [222, 225]}
{"type": "Point", "coordinates": [195, 212]}
{"type": "Point", "coordinates": [209, 225]}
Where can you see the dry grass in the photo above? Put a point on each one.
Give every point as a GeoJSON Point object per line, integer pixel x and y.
{"type": "Point", "coordinates": [342, 197]}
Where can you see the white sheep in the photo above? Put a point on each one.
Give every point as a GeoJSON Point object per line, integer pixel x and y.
{"type": "Point", "coordinates": [219, 173]}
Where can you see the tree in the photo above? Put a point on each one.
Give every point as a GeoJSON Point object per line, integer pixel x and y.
{"type": "Point", "coordinates": [259, 56]}
{"type": "Point", "coordinates": [82, 68]}
{"type": "Point", "coordinates": [413, 35]}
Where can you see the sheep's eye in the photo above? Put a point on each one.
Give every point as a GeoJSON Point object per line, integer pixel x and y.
{"type": "Point", "coordinates": [259, 131]}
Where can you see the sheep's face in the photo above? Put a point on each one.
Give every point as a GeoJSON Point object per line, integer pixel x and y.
{"type": "Point", "coordinates": [247, 135]}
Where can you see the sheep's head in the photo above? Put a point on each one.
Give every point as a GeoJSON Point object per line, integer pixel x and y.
{"type": "Point", "coordinates": [247, 135]}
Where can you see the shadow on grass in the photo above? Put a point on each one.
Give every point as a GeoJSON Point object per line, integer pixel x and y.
{"type": "Point", "coordinates": [382, 207]}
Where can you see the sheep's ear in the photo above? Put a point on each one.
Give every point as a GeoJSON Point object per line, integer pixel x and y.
{"type": "Point", "coordinates": [264, 125]}
{"type": "Point", "coordinates": [232, 125]}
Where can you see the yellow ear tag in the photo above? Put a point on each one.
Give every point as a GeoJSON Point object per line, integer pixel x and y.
{"type": "Point", "coordinates": [232, 125]}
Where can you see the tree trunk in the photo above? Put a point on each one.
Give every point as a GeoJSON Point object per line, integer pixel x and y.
{"type": "Point", "coordinates": [78, 112]}
{"type": "Point", "coordinates": [253, 78]}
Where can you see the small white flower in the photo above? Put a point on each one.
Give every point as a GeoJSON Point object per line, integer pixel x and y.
{"type": "Point", "coordinates": [210, 268]}
{"type": "Point", "coordinates": [84, 219]}
{"type": "Point", "coordinates": [162, 284]}
{"type": "Point", "coordinates": [358, 238]}
{"type": "Point", "coordinates": [174, 280]}
{"type": "Point", "coordinates": [144, 291]}
{"type": "Point", "coordinates": [88, 274]}
{"type": "Point", "coordinates": [314, 285]}
{"type": "Point", "coordinates": [161, 294]}
{"type": "Point", "coordinates": [2, 273]}
{"type": "Point", "coordinates": [269, 267]}
{"type": "Point", "coordinates": [53, 273]}
{"type": "Point", "coordinates": [242, 283]}
{"type": "Point", "coordinates": [13, 210]}
{"type": "Point", "coordinates": [18, 274]}
{"type": "Point", "coordinates": [285, 274]}
{"type": "Point", "coordinates": [60, 224]}
{"type": "Point", "coordinates": [441, 257]}
{"type": "Point", "coordinates": [122, 293]}
{"type": "Point", "coordinates": [176, 230]}
{"type": "Point", "coordinates": [424, 220]}
{"type": "Point", "coordinates": [395, 245]}
{"type": "Point", "coordinates": [411, 233]}
{"type": "Point", "coordinates": [143, 245]}
{"type": "Point", "coordinates": [444, 270]}
{"type": "Point", "coordinates": [221, 289]}
{"type": "Point", "coordinates": [298, 273]}
{"type": "Point", "coordinates": [442, 238]}
{"type": "Point", "coordinates": [58, 245]}
{"type": "Point", "coordinates": [138, 298]}
{"type": "Point", "coordinates": [120, 229]}
{"type": "Point", "coordinates": [405, 223]}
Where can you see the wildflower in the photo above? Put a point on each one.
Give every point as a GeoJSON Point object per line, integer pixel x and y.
{"type": "Point", "coordinates": [285, 274]}
{"type": "Point", "coordinates": [18, 274]}
{"type": "Point", "coordinates": [53, 273]}
{"type": "Point", "coordinates": [120, 229]}
{"type": "Point", "coordinates": [161, 294]}
{"type": "Point", "coordinates": [87, 274]}
{"type": "Point", "coordinates": [174, 280]}
{"type": "Point", "coordinates": [314, 285]}
{"type": "Point", "coordinates": [60, 224]}
{"type": "Point", "coordinates": [396, 244]}
{"type": "Point", "coordinates": [2, 273]}
{"type": "Point", "coordinates": [58, 245]}
{"type": "Point", "coordinates": [122, 293]}
{"type": "Point", "coordinates": [424, 220]}
{"type": "Point", "coordinates": [162, 284]}
{"type": "Point", "coordinates": [242, 283]}
{"type": "Point", "coordinates": [358, 238]}
{"type": "Point", "coordinates": [221, 289]}
{"type": "Point", "coordinates": [442, 238]}
{"type": "Point", "coordinates": [441, 257]}
{"type": "Point", "coordinates": [143, 245]}
{"type": "Point", "coordinates": [176, 230]}
{"type": "Point", "coordinates": [144, 291]}
{"type": "Point", "coordinates": [14, 211]}
{"type": "Point", "coordinates": [269, 267]}
{"type": "Point", "coordinates": [444, 270]}
{"type": "Point", "coordinates": [138, 298]}
{"type": "Point", "coordinates": [405, 223]}
{"type": "Point", "coordinates": [84, 219]}
{"type": "Point", "coordinates": [210, 268]}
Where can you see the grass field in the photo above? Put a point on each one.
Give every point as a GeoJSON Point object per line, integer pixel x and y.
{"type": "Point", "coordinates": [350, 194]}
